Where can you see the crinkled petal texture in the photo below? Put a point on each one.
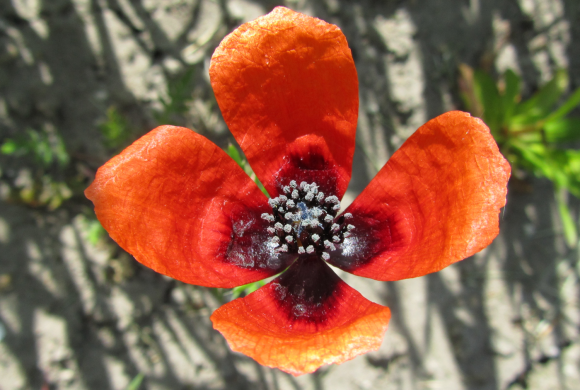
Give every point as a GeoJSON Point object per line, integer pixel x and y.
{"type": "Point", "coordinates": [305, 318]}
{"type": "Point", "coordinates": [435, 202]}
{"type": "Point", "coordinates": [184, 208]}
{"type": "Point", "coordinates": [287, 88]}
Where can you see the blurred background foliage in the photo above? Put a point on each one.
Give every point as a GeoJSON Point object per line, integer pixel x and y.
{"type": "Point", "coordinates": [44, 184]}
{"type": "Point", "coordinates": [535, 133]}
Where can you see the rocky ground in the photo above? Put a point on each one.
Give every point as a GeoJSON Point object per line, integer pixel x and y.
{"type": "Point", "coordinates": [77, 312]}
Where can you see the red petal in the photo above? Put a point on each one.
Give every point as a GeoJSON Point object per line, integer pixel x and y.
{"type": "Point", "coordinates": [282, 77]}
{"type": "Point", "coordinates": [184, 208]}
{"type": "Point", "coordinates": [435, 202]}
{"type": "Point", "coordinates": [302, 320]}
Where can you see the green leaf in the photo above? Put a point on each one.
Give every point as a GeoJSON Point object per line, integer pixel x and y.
{"type": "Point", "coordinates": [233, 152]}
{"type": "Point", "coordinates": [247, 288]}
{"type": "Point", "coordinates": [566, 170]}
{"type": "Point", "coordinates": [39, 146]}
{"type": "Point", "coordinates": [95, 231]}
{"type": "Point", "coordinates": [530, 137]}
{"type": "Point", "coordinates": [562, 167]}
{"type": "Point", "coordinates": [562, 130]}
{"type": "Point", "coordinates": [511, 93]}
{"type": "Point", "coordinates": [541, 104]}
{"type": "Point", "coordinates": [488, 94]}
{"type": "Point", "coordinates": [535, 158]}
{"type": "Point", "coordinates": [572, 102]}
{"type": "Point", "coordinates": [9, 147]}
{"type": "Point", "coordinates": [45, 147]}
{"type": "Point", "coordinates": [261, 187]}
{"type": "Point", "coordinates": [115, 129]}
{"type": "Point", "coordinates": [570, 230]}
{"type": "Point", "coordinates": [179, 93]}
{"type": "Point", "coordinates": [62, 156]}
{"type": "Point", "coordinates": [136, 382]}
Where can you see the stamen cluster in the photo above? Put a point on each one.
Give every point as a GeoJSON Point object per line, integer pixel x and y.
{"type": "Point", "coordinates": [304, 221]}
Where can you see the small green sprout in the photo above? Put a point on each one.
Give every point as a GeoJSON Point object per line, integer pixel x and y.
{"type": "Point", "coordinates": [179, 93]}
{"type": "Point", "coordinates": [135, 384]}
{"type": "Point", "coordinates": [536, 134]}
{"type": "Point", "coordinates": [235, 154]}
{"type": "Point", "coordinates": [115, 129]}
{"type": "Point", "coordinates": [46, 148]}
{"type": "Point", "coordinates": [37, 185]}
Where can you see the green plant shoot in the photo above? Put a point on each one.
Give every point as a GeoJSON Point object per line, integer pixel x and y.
{"type": "Point", "coordinates": [534, 134]}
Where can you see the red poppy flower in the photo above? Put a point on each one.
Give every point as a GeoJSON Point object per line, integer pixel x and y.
{"type": "Point", "coordinates": [287, 87]}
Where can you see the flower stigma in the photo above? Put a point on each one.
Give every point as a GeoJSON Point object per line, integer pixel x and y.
{"type": "Point", "coordinates": [304, 221]}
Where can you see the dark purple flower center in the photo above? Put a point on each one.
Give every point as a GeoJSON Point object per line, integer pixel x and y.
{"type": "Point", "coordinates": [304, 221]}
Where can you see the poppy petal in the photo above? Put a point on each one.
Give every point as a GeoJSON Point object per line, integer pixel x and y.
{"type": "Point", "coordinates": [184, 208]}
{"type": "Point", "coordinates": [435, 202]}
{"type": "Point", "coordinates": [305, 318]}
{"type": "Point", "coordinates": [288, 89]}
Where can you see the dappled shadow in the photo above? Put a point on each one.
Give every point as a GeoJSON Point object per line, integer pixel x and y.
{"type": "Point", "coordinates": [572, 14]}
{"type": "Point", "coordinates": [67, 323]}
